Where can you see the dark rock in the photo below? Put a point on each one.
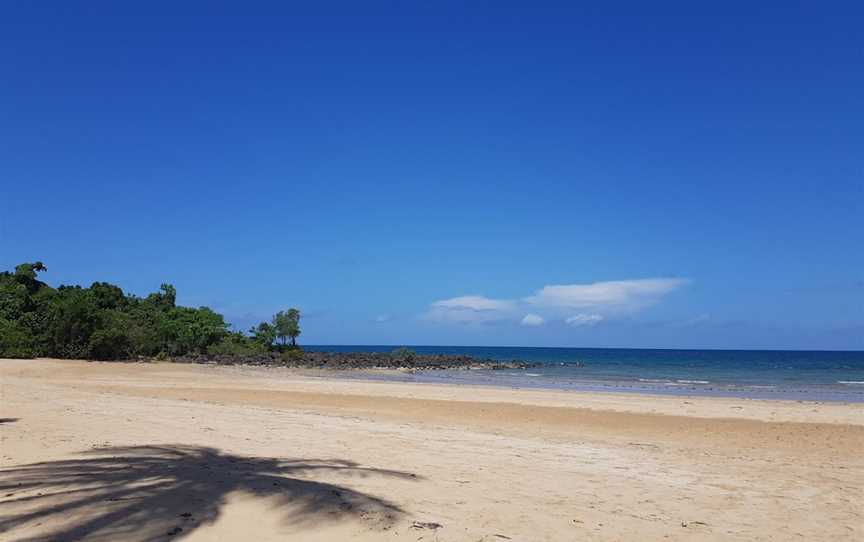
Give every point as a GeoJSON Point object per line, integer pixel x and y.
{"type": "Point", "coordinates": [359, 360]}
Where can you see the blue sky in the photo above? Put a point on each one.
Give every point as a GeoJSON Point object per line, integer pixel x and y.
{"type": "Point", "coordinates": [491, 173]}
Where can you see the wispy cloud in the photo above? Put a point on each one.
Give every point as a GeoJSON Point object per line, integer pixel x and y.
{"type": "Point", "coordinates": [383, 318]}
{"type": "Point", "coordinates": [583, 320]}
{"type": "Point", "coordinates": [613, 294]}
{"type": "Point", "coordinates": [532, 320]}
{"type": "Point", "coordinates": [561, 302]}
{"type": "Point", "coordinates": [475, 303]}
{"type": "Point", "coordinates": [469, 309]}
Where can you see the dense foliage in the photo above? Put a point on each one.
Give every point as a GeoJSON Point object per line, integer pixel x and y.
{"type": "Point", "coordinates": [103, 322]}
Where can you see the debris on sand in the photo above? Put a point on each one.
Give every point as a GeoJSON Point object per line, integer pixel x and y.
{"type": "Point", "coordinates": [426, 525]}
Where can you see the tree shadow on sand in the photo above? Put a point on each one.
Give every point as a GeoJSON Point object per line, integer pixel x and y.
{"type": "Point", "coordinates": [159, 492]}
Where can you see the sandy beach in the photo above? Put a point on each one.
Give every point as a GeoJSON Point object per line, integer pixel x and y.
{"type": "Point", "coordinates": [160, 451]}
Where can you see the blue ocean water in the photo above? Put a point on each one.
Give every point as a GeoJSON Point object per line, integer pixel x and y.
{"type": "Point", "coordinates": [786, 374]}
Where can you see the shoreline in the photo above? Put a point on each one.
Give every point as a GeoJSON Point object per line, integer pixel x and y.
{"type": "Point", "coordinates": [469, 371]}
{"type": "Point", "coordinates": [500, 379]}
{"type": "Point", "coordinates": [128, 376]}
{"type": "Point", "coordinates": [785, 375]}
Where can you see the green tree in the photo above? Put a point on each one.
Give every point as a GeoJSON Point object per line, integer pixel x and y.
{"type": "Point", "coordinates": [14, 297]}
{"type": "Point", "coordinates": [165, 298]}
{"type": "Point", "coordinates": [185, 330]}
{"type": "Point", "coordinates": [73, 316]}
{"type": "Point", "coordinates": [15, 340]}
{"type": "Point", "coordinates": [293, 325]}
{"type": "Point", "coordinates": [238, 344]}
{"type": "Point", "coordinates": [26, 274]}
{"type": "Point", "coordinates": [264, 334]}
{"type": "Point", "coordinates": [110, 343]}
{"type": "Point", "coordinates": [107, 296]}
{"type": "Point", "coordinates": [103, 322]}
{"type": "Point", "coordinates": [287, 326]}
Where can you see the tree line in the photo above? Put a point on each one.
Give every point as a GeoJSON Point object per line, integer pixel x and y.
{"type": "Point", "coordinates": [102, 322]}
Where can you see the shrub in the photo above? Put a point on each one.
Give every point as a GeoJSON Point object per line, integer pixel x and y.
{"type": "Point", "coordinates": [15, 342]}
{"type": "Point", "coordinates": [236, 344]}
{"type": "Point", "coordinates": [292, 354]}
{"type": "Point", "coordinates": [109, 344]}
{"type": "Point", "coordinates": [403, 354]}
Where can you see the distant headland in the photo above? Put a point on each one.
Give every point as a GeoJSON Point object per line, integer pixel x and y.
{"type": "Point", "coordinates": [102, 322]}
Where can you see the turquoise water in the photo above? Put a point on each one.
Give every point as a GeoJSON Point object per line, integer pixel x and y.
{"type": "Point", "coordinates": [786, 374]}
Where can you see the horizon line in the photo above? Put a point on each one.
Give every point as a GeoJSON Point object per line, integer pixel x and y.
{"type": "Point", "coordinates": [587, 347]}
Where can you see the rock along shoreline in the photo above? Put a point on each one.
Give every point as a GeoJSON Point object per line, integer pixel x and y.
{"type": "Point", "coordinates": [356, 360]}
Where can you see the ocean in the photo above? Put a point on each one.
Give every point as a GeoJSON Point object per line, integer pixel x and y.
{"type": "Point", "coordinates": [777, 374]}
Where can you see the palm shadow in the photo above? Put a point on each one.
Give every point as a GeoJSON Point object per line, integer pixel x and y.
{"type": "Point", "coordinates": [159, 492]}
{"type": "Point", "coordinates": [8, 420]}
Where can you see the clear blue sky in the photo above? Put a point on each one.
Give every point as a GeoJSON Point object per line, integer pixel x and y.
{"type": "Point", "coordinates": [673, 174]}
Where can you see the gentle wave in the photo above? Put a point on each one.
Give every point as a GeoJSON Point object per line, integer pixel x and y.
{"type": "Point", "coordinates": [835, 376]}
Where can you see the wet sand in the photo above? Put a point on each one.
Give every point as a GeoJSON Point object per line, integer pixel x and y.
{"type": "Point", "coordinates": [126, 451]}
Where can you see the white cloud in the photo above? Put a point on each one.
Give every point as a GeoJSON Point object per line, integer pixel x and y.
{"type": "Point", "coordinates": [532, 320]}
{"type": "Point", "coordinates": [383, 318]}
{"type": "Point", "coordinates": [475, 303]}
{"type": "Point", "coordinates": [583, 320]}
{"type": "Point", "coordinates": [608, 295]}
{"type": "Point", "coordinates": [470, 309]}
{"type": "Point", "coordinates": [603, 299]}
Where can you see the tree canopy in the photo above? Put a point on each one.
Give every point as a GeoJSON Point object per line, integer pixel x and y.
{"type": "Point", "coordinates": [287, 326]}
{"type": "Point", "coordinates": [103, 322]}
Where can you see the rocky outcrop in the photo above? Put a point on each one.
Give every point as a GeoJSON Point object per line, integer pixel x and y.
{"type": "Point", "coordinates": [358, 360]}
